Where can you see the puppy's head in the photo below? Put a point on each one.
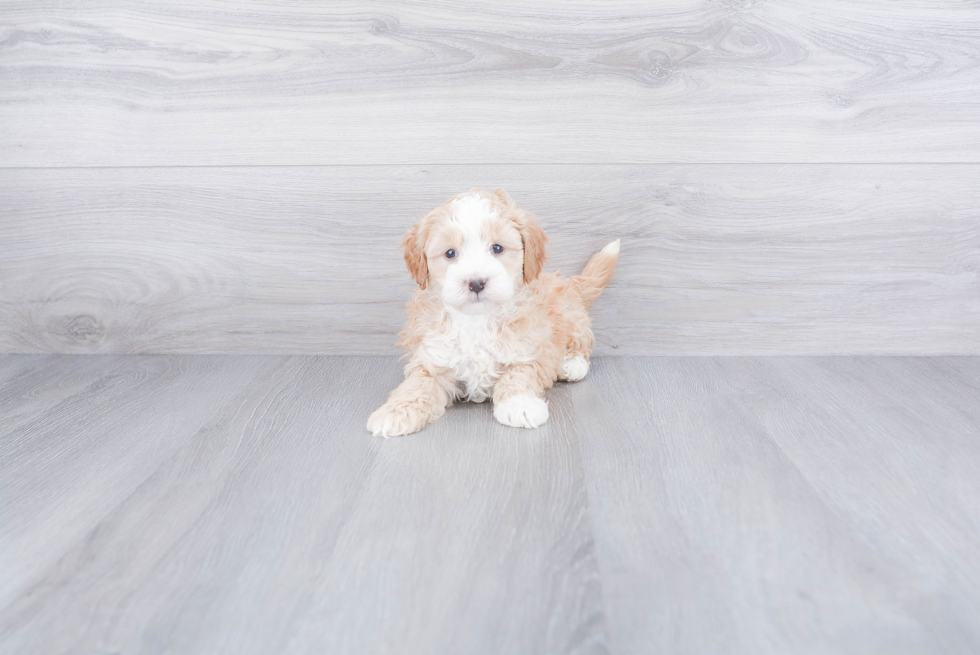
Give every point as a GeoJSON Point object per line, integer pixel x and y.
{"type": "Point", "coordinates": [475, 251]}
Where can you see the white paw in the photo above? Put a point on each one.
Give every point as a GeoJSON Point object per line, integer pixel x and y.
{"type": "Point", "coordinates": [573, 369]}
{"type": "Point", "coordinates": [396, 420]}
{"type": "Point", "coordinates": [521, 411]}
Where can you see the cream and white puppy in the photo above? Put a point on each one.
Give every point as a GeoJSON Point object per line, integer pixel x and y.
{"type": "Point", "coordinates": [484, 322]}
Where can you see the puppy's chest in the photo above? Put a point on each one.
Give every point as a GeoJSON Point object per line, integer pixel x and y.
{"type": "Point", "coordinates": [471, 347]}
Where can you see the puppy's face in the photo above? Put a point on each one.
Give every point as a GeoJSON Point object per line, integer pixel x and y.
{"type": "Point", "coordinates": [475, 251]}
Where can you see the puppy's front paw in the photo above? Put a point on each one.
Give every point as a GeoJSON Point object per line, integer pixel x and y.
{"type": "Point", "coordinates": [521, 411]}
{"type": "Point", "coordinates": [396, 420]}
{"type": "Point", "coordinates": [573, 369]}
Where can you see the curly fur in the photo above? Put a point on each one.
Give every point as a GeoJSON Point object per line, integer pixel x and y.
{"type": "Point", "coordinates": [509, 340]}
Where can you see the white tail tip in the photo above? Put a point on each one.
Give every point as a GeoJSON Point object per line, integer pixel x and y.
{"type": "Point", "coordinates": [612, 248]}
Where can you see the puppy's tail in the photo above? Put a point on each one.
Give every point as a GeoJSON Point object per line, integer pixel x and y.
{"type": "Point", "coordinates": [597, 273]}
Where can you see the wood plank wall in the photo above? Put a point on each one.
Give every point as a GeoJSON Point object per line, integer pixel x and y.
{"type": "Point", "coordinates": [787, 176]}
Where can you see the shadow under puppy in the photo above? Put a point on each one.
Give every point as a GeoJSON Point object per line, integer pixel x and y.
{"type": "Point", "coordinates": [484, 322]}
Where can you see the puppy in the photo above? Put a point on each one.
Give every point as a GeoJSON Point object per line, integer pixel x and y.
{"type": "Point", "coordinates": [484, 322]}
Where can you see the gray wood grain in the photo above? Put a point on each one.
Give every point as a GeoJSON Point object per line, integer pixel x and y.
{"type": "Point", "coordinates": [722, 259]}
{"type": "Point", "coordinates": [114, 83]}
{"type": "Point", "coordinates": [238, 505]}
{"type": "Point", "coordinates": [29, 386]}
{"type": "Point", "coordinates": [774, 505]}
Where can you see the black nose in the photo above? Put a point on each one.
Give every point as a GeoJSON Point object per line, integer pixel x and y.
{"type": "Point", "coordinates": [476, 286]}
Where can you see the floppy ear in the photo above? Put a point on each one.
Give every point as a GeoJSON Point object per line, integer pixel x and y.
{"type": "Point", "coordinates": [502, 195]}
{"type": "Point", "coordinates": [534, 244]}
{"type": "Point", "coordinates": [413, 244]}
{"type": "Point", "coordinates": [532, 236]}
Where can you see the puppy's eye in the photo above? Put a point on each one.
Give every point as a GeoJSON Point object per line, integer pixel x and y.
{"type": "Point", "coordinates": [450, 253]}
{"type": "Point", "coordinates": [497, 248]}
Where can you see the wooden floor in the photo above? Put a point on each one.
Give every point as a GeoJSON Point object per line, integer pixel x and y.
{"type": "Point", "coordinates": [235, 504]}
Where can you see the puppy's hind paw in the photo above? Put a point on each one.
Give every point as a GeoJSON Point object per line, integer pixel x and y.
{"type": "Point", "coordinates": [396, 420]}
{"type": "Point", "coordinates": [521, 411]}
{"type": "Point", "coordinates": [573, 369]}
